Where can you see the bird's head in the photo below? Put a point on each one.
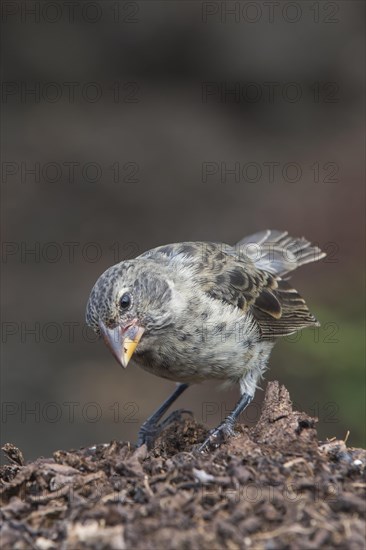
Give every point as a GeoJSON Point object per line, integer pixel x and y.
{"type": "Point", "coordinates": [129, 303]}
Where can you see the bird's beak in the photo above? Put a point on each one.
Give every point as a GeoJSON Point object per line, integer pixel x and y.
{"type": "Point", "coordinates": [122, 341]}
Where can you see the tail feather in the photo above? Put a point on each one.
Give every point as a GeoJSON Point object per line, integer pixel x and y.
{"type": "Point", "coordinates": [278, 253]}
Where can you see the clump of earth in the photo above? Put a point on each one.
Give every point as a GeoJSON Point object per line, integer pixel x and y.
{"type": "Point", "coordinates": [273, 486]}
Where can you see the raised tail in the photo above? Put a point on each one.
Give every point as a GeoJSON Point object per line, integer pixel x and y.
{"type": "Point", "coordinates": [278, 253]}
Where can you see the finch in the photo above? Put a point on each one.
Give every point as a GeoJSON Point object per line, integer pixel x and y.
{"type": "Point", "coordinates": [197, 311]}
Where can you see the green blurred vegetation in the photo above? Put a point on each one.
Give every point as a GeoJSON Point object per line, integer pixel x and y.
{"type": "Point", "coordinates": [329, 362]}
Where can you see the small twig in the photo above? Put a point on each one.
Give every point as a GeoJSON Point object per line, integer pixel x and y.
{"type": "Point", "coordinates": [147, 486]}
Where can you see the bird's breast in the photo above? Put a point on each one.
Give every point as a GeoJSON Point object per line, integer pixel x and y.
{"type": "Point", "coordinates": [217, 352]}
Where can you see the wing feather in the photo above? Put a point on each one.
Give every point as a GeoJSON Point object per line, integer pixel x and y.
{"type": "Point", "coordinates": [234, 278]}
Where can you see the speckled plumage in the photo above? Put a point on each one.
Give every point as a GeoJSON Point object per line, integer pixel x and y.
{"type": "Point", "coordinates": [209, 310]}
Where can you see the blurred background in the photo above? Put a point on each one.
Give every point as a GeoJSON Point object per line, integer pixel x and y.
{"type": "Point", "coordinates": [127, 125]}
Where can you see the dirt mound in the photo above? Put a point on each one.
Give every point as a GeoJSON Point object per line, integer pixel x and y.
{"type": "Point", "coordinates": [274, 486]}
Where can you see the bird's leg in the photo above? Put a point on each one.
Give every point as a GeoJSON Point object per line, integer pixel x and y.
{"type": "Point", "coordinates": [226, 428]}
{"type": "Point", "coordinates": [151, 428]}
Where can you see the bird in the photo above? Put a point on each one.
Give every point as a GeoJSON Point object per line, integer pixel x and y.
{"type": "Point", "coordinates": [195, 311]}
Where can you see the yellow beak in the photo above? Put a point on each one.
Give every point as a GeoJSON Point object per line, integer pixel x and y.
{"type": "Point", "coordinates": [122, 341]}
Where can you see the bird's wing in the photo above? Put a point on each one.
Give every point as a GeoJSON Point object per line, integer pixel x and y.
{"type": "Point", "coordinates": [227, 275]}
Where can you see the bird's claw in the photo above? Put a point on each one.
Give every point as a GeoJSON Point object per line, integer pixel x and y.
{"type": "Point", "coordinates": [151, 429]}
{"type": "Point", "coordinates": [216, 437]}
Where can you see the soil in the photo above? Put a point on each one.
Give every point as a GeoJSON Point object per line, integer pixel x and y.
{"type": "Point", "coordinates": [273, 486]}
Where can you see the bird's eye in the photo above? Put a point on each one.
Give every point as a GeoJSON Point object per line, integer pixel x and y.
{"type": "Point", "coordinates": [125, 301]}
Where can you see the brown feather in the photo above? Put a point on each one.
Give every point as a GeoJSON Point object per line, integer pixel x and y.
{"type": "Point", "coordinates": [233, 278]}
{"type": "Point", "coordinates": [269, 303]}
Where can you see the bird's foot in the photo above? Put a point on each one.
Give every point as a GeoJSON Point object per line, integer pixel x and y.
{"type": "Point", "coordinates": [217, 437]}
{"type": "Point", "coordinates": [151, 428]}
